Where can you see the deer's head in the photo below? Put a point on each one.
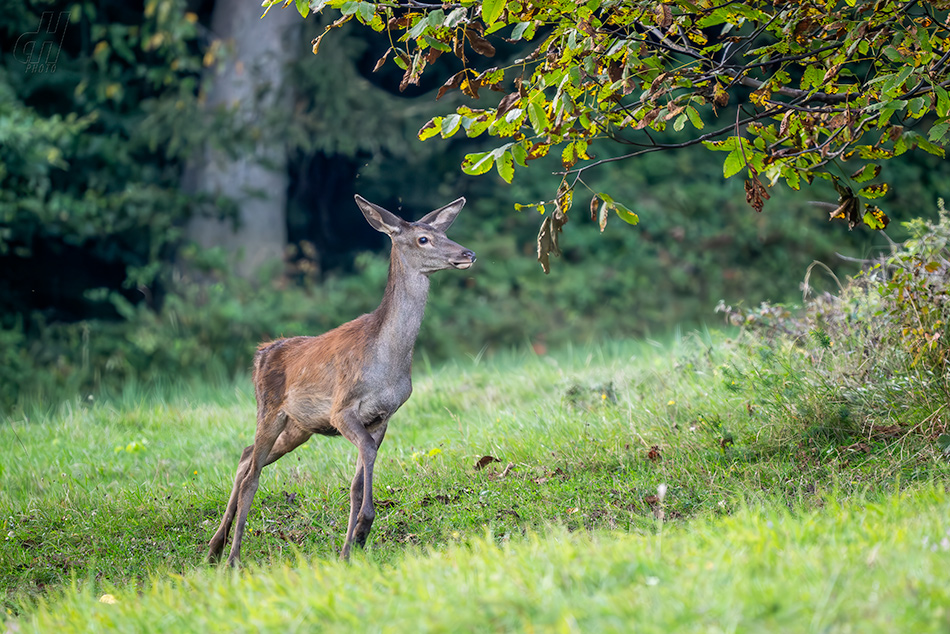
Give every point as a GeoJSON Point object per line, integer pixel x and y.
{"type": "Point", "coordinates": [422, 245]}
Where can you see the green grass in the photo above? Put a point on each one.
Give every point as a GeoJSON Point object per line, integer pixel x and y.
{"type": "Point", "coordinates": [785, 506]}
{"type": "Point", "coordinates": [852, 568]}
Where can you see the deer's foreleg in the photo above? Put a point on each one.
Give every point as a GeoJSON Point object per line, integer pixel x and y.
{"type": "Point", "coordinates": [362, 510]}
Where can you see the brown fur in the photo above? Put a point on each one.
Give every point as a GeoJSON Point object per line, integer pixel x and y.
{"type": "Point", "coordinates": [348, 381]}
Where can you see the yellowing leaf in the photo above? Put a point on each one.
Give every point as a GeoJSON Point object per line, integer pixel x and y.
{"type": "Point", "coordinates": [430, 129]}
{"type": "Point", "coordinates": [875, 218]}
{"type": "Point", "coordinates": [873, 191]}
{"type": "Point", "coordinates": [478, 163]}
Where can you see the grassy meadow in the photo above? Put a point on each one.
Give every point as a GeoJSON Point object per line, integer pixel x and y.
{"type": "Point", "coordinates": [705, 484]}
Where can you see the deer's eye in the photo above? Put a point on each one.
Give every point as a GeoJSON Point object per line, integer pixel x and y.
{"type": "Point", "coordinates": [423, 240]}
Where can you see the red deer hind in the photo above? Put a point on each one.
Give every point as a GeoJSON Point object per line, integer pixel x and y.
{"type": "Point", "coordinates": [348, 381]}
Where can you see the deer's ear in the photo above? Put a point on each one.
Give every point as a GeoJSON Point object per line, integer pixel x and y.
{"type": "Point", "coordinates": [443, 217]}
{"type": "Point", "coordinates": [380, 219]}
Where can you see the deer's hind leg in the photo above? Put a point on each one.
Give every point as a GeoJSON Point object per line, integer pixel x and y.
{"type": "Point", "coordinates": [216, 546]}
{"type": "Point", "coordinates": [290, 438]}
{"type": "Point", "coordinates": [268, 431]}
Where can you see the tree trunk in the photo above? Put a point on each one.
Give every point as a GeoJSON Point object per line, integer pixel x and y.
{"type": "Point", "coordinates": [251, 82]}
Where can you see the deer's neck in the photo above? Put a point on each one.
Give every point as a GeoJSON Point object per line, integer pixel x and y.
{"type": "Point", "coordinates": [400, 312]}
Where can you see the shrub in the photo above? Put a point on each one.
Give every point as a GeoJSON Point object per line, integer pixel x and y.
{"type": "Point", "coordinates": [872, 360]}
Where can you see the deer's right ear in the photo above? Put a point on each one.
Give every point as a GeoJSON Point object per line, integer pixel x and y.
{"type": "Point", "coordinates": [380, 219]}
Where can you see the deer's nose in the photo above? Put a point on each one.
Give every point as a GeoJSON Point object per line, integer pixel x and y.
{"type": "Point", "coordinates": [468, 254]}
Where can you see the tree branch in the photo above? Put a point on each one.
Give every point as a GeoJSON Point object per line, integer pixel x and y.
{"type": "Point", "coordinates": [674, 146]}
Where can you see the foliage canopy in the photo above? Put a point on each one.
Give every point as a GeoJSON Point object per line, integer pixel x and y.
{"type": "Point", "coordinates": [788, 90]}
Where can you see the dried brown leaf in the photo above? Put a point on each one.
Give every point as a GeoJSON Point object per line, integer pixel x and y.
{"type": "Point", "coordinates": [479, 44]}
{"type": "Point", "coordinates": [548, 238]}
{"type": "Point", "coordinates": [401, 22]}
{"type": "Point", "coordinates": [382, 60]}
{"type": "Point", "coordinates": [647, 119]}
{"type": "Point", "coordinates": [783, 126]}
{"type": "Point", "coordinates": [452, 82]}
{"type": "Point", "coordinates": [458, 48]}
{"type": "Point", "coordinates": [885, 431]}
{"type": "Point", "coordinates": [615, 71]}
{"type": "Point", "coordinates": [484, 461]}
{"type": "Point", "coordinates": [720, 96]}
{"type": "Point", "coordinates": [507, 103]}
{"type": "Point", "coordinates": [755, 193]}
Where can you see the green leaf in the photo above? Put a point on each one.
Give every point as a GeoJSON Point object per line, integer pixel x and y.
{"type": "Point", "coordinates": [450, 125]}
{"type": "Point", "coordinates": [694, 117]}
{"type": "Point", "coordinates": [894, 85]}
{"type": "Point", "coordinates": [939, 132]}
{"type": "Point", "coordinates": [505, 166]}
{"type": "Point", "coordinates": [418, 29]}
{"type": "Point", "coordinates": [437, 44]}
{"type": "Point", "coordinates": [929, 147]}
{"type": "Point", "coordinates": [492, 10]}
{"type": "Point", "coordinates": [538, 117]}
{"type": "Point", "coordinates": [625, 214]}
{"type": "Point", "coordinates": [520, 154]}
{"type": "Point", "coordinates": [943, 101]}
{"type": "Point", "coordinates": [518, 32]}
{"type": "Point", "coordinates": [893, 54]}
{"type": "Point", "coordinates": [367, 11]}
{"type": "Point", "coordinates": [435, 18]}
{"type": "Point", "coordinates": [680, 122]}
{"type": "Point", "coordinates": [733, 164]}
{"type": "Point", "coordinates": [813, 76]}
{"type": "Point", "coordinates": [303, 7]}
{"type": "Point", "coordinates": [866, 173]}
{"type": "Point", "coordinates": [918, 107]}
{"type": "Point", "coordinates": [792, 178]}
{"type": "Point", "coordinates": [456, 17]}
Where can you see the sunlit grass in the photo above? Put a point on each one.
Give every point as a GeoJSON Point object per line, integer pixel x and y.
{"type": "Point", "coordinates": [857, 567]}
{"type": "Point", "coordinates": [110, 497]}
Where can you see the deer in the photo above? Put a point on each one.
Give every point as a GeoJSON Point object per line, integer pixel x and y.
{"type": "Point", "coordinates": [348, 381]}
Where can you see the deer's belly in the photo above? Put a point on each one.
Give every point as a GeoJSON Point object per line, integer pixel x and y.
{"type": "Point", "coordinates": [311, 413]}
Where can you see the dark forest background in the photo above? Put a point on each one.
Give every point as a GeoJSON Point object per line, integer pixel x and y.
{"type": "Point", "coordinates": [177, 181]}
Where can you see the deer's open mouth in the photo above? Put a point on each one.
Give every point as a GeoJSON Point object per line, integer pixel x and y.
{"type": "Point", "coordinates": [465, 264]}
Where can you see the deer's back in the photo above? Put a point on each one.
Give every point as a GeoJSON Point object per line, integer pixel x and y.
{"type": "Point", "coordinates": [310, 378]}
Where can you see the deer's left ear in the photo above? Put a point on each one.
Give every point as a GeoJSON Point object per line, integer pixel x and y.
{"type": "Point", "coordinates": [443, 217]}
{"type": "Point", "coordinates": [380, 219]}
